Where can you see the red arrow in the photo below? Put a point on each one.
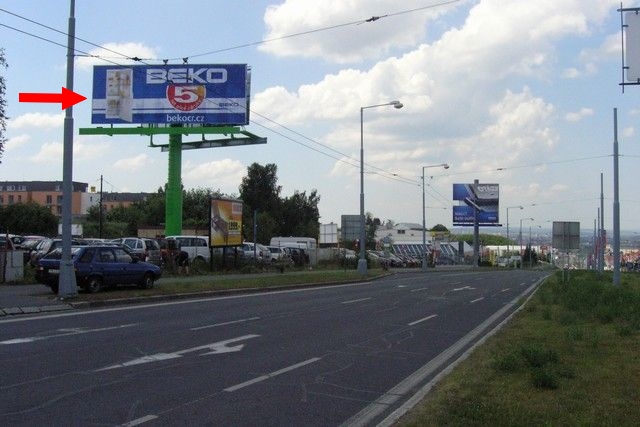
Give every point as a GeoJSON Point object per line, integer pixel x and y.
{"type": "Point", "coordinates": [67, 98]}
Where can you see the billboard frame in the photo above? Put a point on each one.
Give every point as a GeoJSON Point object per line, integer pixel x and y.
{"type": "Point", "coordinates": [225, 222]}
{"type": "Point", "coordinates": [204, 94]}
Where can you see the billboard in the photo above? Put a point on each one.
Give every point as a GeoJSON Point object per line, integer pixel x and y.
{"type": "Point", "coordinates": [632, 46]}
{"type": "Point", "coordinates": [171, 94]}
{"type": "Point", "coordinates": [566, 235]}
{"type": "Point", "coordinates": [226, 223]}
{"type": "Point", "coordinates": [484, 197]}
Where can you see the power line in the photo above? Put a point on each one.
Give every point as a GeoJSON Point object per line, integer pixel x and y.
{"type": "Point", "coordinates": [316, 30]}
{"type": "Point", "coordinates": [120, 55]}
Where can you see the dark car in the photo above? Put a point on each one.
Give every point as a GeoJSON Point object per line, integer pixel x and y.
{"type": "Point", "coordinates": [47, 245]}
{"type": "Point", "coordinates": [97, 267]}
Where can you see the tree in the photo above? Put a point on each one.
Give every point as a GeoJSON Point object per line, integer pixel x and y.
{"type": "Point", "coordinates": [28, 218]}
{"type": "Point", "coordinates": [259, 191]}
{"type": "Point", "coordinates": [300, 215]}
{"type": "Point", "coordinates": [3, 104]}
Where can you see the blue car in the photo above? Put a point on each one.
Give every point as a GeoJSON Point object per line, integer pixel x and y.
{"type": "Point", "coordinates": [98, 267]}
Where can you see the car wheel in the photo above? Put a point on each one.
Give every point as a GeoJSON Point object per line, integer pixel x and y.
{"type": "Point", "coordinates": [94, 284]}
{"type": "Point", "coordinates": [147, 281]}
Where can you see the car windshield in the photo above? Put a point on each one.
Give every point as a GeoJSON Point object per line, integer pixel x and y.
{"type": "Point", "coordinates": [57, 253]}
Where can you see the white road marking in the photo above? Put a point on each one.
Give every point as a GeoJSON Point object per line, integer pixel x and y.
{"type": "Point", "coordinates": [225, 323]}
{"type": "Point", "coordinates": [356, 300]}
{"type": "Point", "coordinates": [424, 319]}
{"type": "Point", "coordinates": [16, 319]}
{"type": "Point", "coordinates": [476, 300]}
{"type": "Point", "coordinates": [65, 333]}
{"type": "Point", "coordinates": [464, 288]}
{"type": "Point", "coordinates": [505, 290]}
{"type": "Point", "coordinates": [271, 375]}
{"type": "Point", "coordinates": [419, 289]}
{"type": "Point", "coordinates": [140, 420]}
{"type": "Point", "coordinates": [216, 348]}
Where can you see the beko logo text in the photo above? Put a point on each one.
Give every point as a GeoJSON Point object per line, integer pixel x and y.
{"type": "Point", "coordinates": [488, 189]}
{"type": "Point", "coordinates": [186, 75]}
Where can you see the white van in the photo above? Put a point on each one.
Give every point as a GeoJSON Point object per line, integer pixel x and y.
{"type": "Point", "coordinates": [196, 246]}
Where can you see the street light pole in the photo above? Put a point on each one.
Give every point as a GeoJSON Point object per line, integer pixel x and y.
{"type": "Point", "coordinates": [522, 219]}
{"type": "Point", "coordinates": [362, 261]}
{"type": "Point", "coordinates": [510, 207]}
{"type": "Point", "coordinates": [424, 220]}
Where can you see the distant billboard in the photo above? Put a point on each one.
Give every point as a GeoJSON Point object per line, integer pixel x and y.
{"type": "Point", "coordinates": [566, 235]}
{"type": "Point", "coordinates": [210, 94]}
{"type": "Point", "coordinates": [226, 222]}
{"type": "Point", "coordinates": [632, 46]}
{"type": "Point", "coordinates": [328, 234]}
{"type": "Point", "coordinates": [483, 197]}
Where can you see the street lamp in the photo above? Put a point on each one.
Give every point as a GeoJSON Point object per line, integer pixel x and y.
{"type": "Point", "coordinates": [522, 219]}
{"type": "Point", "coordinates": [510, 207]}
{"type": "Point", "coordinates": [362, 262]}
{"type": "Point", "coordinates": [424, 220]}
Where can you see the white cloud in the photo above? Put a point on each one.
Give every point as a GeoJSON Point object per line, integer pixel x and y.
{"type": "Point", "coordinates": [17, 142]}
{"type": "Point", "coordinates": [51, 152]}
{"type": "Point", "coordinates": [345, 43]}
{"type": "Point", "coordinates": [577, 116]}
{"type": "Point", "coordinates": [132, 163]}
{"type": "Point", "coordinates": [225, 175]}
{"type": "Point", "coordinates": [36, 120]}
{"type": "Point", "coordinates": [628, 132]}
{"type": "Point", "coordinates": [116, 53]}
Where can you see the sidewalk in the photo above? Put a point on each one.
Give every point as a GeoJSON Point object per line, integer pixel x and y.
{"type": "Point", "coordinates": [29, 299]}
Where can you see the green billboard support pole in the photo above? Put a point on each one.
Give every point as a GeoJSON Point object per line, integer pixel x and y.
{"type": "Point", "coordinates": [173, 205]}
{"type": "Point", "coordinates": [233, 136]}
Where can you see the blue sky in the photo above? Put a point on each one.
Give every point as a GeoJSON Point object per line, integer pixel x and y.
{"type": "Point", "coordinates": [518, 93]}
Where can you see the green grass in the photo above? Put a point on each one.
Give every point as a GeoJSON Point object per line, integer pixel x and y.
{"type": "Point", "coordinates": [171, 285]}
{"type": "Point", "coordinates": [569, 358]}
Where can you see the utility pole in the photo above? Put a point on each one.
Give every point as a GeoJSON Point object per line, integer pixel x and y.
{"type": "Point", "coordinates": [100, 211]}
{"type": "Point", "coordinates": [67, 280]}
{"type": "Point", "coordinates": [603, 239]}
{"type": "Point", "coordinates": [616, 204]}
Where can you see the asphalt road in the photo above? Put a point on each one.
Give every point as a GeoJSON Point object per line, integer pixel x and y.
{"type": "Point", "coordinates": [349, 354]}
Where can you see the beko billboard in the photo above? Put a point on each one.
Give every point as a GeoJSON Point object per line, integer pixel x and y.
{"type": "Point", "coordinates": [483, 197]}
{"type": "Point", "coordinates": [197, 94]}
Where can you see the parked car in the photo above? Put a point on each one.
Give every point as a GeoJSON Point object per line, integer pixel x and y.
{"type": "Point", "coordinates": [47, 245]}
{"type": "Point", "coordinates": [144, 248]}
{"type": "Point", "coordinates": [277, 253]}
{"type": "Point", "coordinates": [259, 252]}
{"type": "Point", "coordinates": [196, 246]}
{"type": "Point", "coordinates": [97, 267]}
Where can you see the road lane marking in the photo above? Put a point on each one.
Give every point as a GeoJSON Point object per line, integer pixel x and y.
{"type": "Point", "coordinates": [476, 300]}
{"type": "Point", "coordinates": [505, 290]}
{"type": "Point", "coordinates": [420, 289]}
{"type": "Point", "coordinates": [424, 319]}
{"type": "Point", "coordinates": [271, 375]}
{"type": "Point", "coordinates": [464, 288]}
{"type": "Point", "coordinates": [216, 348]}
{"type": "Point", "coordinates": [355, 300]}
{"type": "Point", "coordinates": [140, 420]}
{"type": "Point", "coordinates": [225, 323]}
{"type": "Point", "coordinates": [65, 333]}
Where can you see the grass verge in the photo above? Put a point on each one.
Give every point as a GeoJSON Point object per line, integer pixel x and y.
{"type": "Point", "coordinates": [570, 357]}
{"type": "Point", "coordinates": [195, 284]}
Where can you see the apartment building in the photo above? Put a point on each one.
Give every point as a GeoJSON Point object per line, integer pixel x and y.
{"type": "Point", "coordinates": [45, 193]}
{"type": "Point", "coordinates": [49, 193]}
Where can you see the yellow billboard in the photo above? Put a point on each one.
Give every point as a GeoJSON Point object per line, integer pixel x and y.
{"type": "Point", "coordinates": [226, 222]}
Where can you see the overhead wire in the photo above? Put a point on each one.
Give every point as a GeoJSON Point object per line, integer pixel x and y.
{"type": "Point", "coordinates": [378, 170]}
